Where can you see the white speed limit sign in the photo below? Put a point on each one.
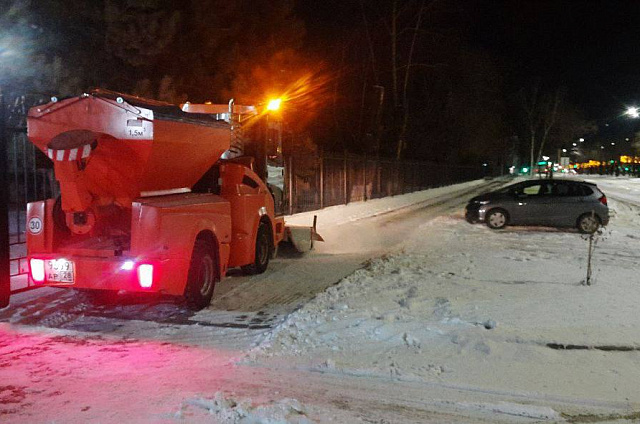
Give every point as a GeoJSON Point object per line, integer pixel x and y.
{"type": "Point", "coordinates": [35, 225]}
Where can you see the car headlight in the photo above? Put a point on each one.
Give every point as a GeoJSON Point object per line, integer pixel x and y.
{"type": "Point", "coordinates": [483, 202]}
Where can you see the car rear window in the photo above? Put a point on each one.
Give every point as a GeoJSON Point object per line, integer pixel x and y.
{"type": "Point", "coordinates": [586, 190]}
{"type": "Point", "coordinates": [565, 189]}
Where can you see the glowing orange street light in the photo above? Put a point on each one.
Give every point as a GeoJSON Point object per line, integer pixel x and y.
{"type": "Point", "coordinates": [274, 104]}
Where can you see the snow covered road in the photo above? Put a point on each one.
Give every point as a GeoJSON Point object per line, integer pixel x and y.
{"type": "Point", "coordinates": [446, 322]}
{"type": "Point", "coordinates": [243, 307]}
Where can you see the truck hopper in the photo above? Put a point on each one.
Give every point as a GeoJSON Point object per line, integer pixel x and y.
{"type": "Point", "coordinates": [110, 148]}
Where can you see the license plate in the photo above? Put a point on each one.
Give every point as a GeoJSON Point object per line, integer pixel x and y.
{"type": "Point", "coordinates": [59, 271]}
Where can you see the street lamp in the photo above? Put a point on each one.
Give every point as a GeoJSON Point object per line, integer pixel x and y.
{"type": "Point", "coordinates": [274, 104]}
{"type": "Point", "coordinates": [633, 112]}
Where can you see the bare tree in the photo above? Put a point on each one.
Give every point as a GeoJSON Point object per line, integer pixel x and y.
{"type": "Point", "coordinates": [530, 106]}
{"type": "Point", "coordinates": [405, 86]}
{"type": "Point", "coordinates": [550, 106]}
{"type": "Point", "coordinates": [403, 23]}
{"type": "Point", "coordinates": [541, 116]}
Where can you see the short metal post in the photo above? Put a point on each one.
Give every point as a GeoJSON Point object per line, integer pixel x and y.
{"type": "Point", "coordinates": [5, 265]}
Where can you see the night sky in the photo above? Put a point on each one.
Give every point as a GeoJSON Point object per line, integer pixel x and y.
{"type": "Point", "coordinates": [591, 47]}
{"type": "Point", "coordinates": [474, 65]}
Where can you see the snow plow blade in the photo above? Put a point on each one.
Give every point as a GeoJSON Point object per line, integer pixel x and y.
{"type": "Point", "coordinates": [301, 237]}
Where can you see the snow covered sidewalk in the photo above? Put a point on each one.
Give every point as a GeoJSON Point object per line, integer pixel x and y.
{"type": "Point", "coordinates": [467, 306]}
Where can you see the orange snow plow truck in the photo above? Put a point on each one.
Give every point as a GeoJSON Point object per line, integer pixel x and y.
{"type": "Point", "coordinates": [147, 204]}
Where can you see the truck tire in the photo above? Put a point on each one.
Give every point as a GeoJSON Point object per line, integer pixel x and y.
{"type": "Point", "coordinates": [263, 251]}
{"type": "Point", "coordinates": [203, 275]}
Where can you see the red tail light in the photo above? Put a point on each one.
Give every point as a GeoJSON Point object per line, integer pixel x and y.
{"type": "Point", "coordinates": [36, 266]}
{"type": "Point", "coordinates": [145, 275]}
{"type": "Point", "coordinates": [603, 200]}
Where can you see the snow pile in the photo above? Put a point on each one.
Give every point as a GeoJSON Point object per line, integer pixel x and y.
{"type": "Point", "coordinates": [342, 214]}
{"type": "Point", "coordinates": [399, 302]}
{"type": "Point", "coordinates": [228, 410]}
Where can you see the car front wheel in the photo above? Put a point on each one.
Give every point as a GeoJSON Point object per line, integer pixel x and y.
{"type": "Point", "coordinates": [496, 219]}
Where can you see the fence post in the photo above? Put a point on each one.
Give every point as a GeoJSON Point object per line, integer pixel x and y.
{"type": "Point", "coordinates": [5, 266]}
{"type": "Point", "coordinates": [414, 177]}
{"type": "Point", "coordinates": [400, 173]}
{"type": "Point", "coordinates": [379, 178]}
{"type": "Point", "coordinates": [321, 179]}
{"type": "Point", "coordinates": [365, 177]}
{"type": "Point", "coordinates": [290, 184]}
{"type": "Point", "coordinates": [345, 172]}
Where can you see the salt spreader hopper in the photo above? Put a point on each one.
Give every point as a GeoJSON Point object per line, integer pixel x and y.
{"type": "Point", "coordinates": [146, 202]}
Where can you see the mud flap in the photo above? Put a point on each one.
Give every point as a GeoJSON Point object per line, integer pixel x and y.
{"type": "Point", "coordinates": [301, 237]}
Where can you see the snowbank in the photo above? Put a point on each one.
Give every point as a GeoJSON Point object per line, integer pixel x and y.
{"type": "Point", "coordinates": [342, 214]}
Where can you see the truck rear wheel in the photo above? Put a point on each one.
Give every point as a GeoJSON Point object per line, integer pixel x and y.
{"type": "Point", "coordinates": [263, 251]}
{"type": "Point", "coordinates": [203, 275]}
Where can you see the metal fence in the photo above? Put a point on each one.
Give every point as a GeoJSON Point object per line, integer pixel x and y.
{"type": "Point", "coordinates": [27, 175]}
{"type": "Point", "coordinates": [313, 183]}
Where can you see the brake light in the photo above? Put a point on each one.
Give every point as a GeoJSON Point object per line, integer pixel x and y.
{"type": "Point", "coordinates": [603, 200]}
{"type": "Point", "coordinates": [145, 275]}
{"type": "Point", "coordinates": [37, 270]}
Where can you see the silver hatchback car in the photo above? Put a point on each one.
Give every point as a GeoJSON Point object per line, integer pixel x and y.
{"type": "Point", "coordinates": [554, 203]}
